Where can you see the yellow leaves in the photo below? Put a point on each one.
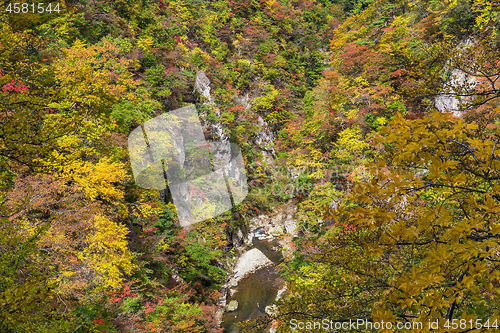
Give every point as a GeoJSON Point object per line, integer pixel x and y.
{"type": "Point", "coordinates": [350, 144]}
{"type": "Point", "coordinates": [78, 44]}
{"type": "Point", "coordinates": [352, 114]}
{"type": "Point", "coordinates": [98, 180]}
{"type": "Point", "coordinates": [267, 100]}
{"type": "Point", "coordinates": [381, 121]}
{"type": "Point", "coordinates": [308, 276]}
{"type": "Point", "coordinates": [381, 313]}
{"type": "Point", "coordinates": [162, 245]}
{"type": "Point", "coordinates": [107, 252]}
{"type": "Point", "coordinates": [94, 76]}
{"type": "Point", "coordinates": [270, 5]}
{"type": "Point", "coordinates": [437, 227]}
{"type": "Point", "coordinates": [472, 126]}
{"type": "Point", "coordinates": [490, 206]}
{"type": "Point", "coordinates": [374, 249]}
{"type": "Point", "coordinates": [495, 228]}
{"type": "Point", "coordinates": [146, 43]}
{"type": "Point", "coordinates": [147, 204]}
{"type": "Point", "coordinates": [361, 81]}
{"type": "Point", "coordinates": [200, 57]}
{"type": "Point", "coordinates": [313, 159]}
{"type": "Point", "coordinates": [179, 7]}
{"type": "Point", "coordinates": [488, 12]}
{"type": "Point", "coordinates": [400, 231]}
{"type": "Point", "coordinates": [220, 240]}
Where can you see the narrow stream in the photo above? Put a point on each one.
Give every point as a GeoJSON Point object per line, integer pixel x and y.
{"type": "Point", "coordinates": [256, 291]}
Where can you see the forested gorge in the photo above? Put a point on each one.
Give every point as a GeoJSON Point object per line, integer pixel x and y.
{"type": "Point", "coordinates": [377, 120]}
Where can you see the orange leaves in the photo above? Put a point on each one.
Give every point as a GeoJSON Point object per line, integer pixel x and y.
{"type": "Point", "coordinates": [78, 235]}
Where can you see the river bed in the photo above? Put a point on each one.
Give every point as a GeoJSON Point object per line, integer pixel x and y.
{"type": "Point", "coordinates": [257, 290]}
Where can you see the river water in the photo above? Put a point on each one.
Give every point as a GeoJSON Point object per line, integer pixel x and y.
{"type": "Point", "coordinates": [256, 291]}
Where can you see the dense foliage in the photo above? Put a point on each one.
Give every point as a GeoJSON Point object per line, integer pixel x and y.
{"type": "Point", "coordinates": [339, 107]}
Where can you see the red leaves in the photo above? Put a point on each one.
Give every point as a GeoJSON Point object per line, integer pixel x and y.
{"type": "Point", "coordinates": [398, 77]}
{"type": "Point", "coordinates": [148, 309]}
{"type": "Point", "coordinates": [98, 322]}
{"type": "Point", "coordinates": [14, 87]}
{"type": "Point", "coordinates": [122, 295]}
{"type": "Point", "coordinates": [399, 73]}
{"type": "Point", "coordinates": [355, 57]}
{"type": "Point", "coordinates": [183, 234]}
{"type": "Point", "coordinates": [348, 226]}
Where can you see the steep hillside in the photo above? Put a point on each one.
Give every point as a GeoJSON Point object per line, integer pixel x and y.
{"type": "Point", "coordinates": [385, 209]}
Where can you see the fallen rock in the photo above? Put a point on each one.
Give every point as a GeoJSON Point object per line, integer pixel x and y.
{"type": "Point", "coordinates": [202, 85]}
{"type": "Point", "coordinates": [233, 283]}
{"type": "Point", "coordinates": [260, 221]}
{"type": "Point", "coordinates": [291, 226]}
{"type": "Point", "coordinates": [275, 230]}
{"type": "Point", "coordinates": [249, 262]}
{"type": "Point", "coordinates": [281, 292]}
{"type": "Point", "coordinates": [271, 309]}
{"type": "Point", "coordinates": [237, 239]}
{"type": "Point", "coordinates": [232, 306]}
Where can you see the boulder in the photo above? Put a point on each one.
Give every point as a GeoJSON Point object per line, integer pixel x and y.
{"type": "Point", "coordinates": [260, 221]}
{"type": "Point", "coordinates": [249, 262]}
{"type": "Point", "coordinates": [232, 306]}
{"type": "Point", "coordinates": [271, 309]}
{"type": "Point", "coordinates": [275, 230]}
{"type": "Point", "coordinates": [237, 238]}
{"type": "Point", "coordinates": [291, 226]}
{"type": "Point", "coordinates": [202, 85]}
{"type": "Point", "coordinates": [232, 283]}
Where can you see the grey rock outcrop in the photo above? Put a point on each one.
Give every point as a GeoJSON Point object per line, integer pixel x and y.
{"type": "Point", "coordinates": [237, 238]}
{"type": "Point", "coordinates": [232, 306]}
{"type": "Point", "coordinates": [202, 85]}
{"type": "Point", "coordinates": [276, 224]}
{"type": "Point", "coordinates": [249, 262]}
{"type": "Point", "coordinates": [448, 101]}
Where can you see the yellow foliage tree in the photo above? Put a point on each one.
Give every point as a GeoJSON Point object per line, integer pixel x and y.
{"type": "Point", "coordinates": [98, 179]}
{"type": "Point", "coordinates": [93, 77]}
{"type": "Point", "coordinates": [107, 253]}
{"type": "Point", "coordinates": [349, 144]}
{"type": "Point", "coordinates": [432, 207]}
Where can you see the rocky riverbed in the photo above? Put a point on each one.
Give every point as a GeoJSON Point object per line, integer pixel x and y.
{"type": "Point", "coordinates": [254, 282]}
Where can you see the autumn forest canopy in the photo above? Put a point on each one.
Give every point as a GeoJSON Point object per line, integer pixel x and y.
{"type": "Point", "coordinates": [377, 121]}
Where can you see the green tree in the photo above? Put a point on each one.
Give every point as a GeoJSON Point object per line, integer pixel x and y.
{"type": "Point", "coordinates": [26, 282]}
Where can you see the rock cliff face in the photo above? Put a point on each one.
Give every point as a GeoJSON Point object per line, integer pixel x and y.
{"type": "Point", "coordinates": [448, 101]}
{"type": "Point", "coordinates": [202, 85]}
{"type": "Point", "coordinates": [282, 222]}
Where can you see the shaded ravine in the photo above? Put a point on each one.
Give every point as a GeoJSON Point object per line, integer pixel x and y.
{"type": "Point", "coordinates": [257, 290]}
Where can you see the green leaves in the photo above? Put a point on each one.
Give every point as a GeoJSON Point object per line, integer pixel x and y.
{"type": "Point", "coordinates": [24, 283]}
